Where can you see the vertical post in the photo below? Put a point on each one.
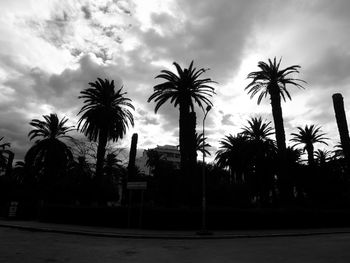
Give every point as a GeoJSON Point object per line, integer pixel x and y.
{"type": "Point", "coordinates": [131, 165]}
{"type": "Point", "coordinates": [204, 230]}
{"type": "Point", "coordinates": [338, 104]}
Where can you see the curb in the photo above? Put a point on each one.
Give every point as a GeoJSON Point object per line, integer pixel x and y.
{"type": "Point", "coordinates": [168, 236]}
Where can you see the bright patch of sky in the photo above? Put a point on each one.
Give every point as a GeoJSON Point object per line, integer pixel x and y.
{"type": "Point", "coordinates": [50, 50]}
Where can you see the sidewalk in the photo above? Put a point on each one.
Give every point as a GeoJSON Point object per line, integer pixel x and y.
{"type": "Point", "coordinates": [161, 234]}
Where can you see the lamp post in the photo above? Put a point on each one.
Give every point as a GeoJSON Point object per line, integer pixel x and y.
{"type": "Point", "coordinates": [204, 230]}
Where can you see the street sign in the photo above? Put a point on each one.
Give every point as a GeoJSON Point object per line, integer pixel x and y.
{"type": "Point", "coordinates": [136, 185]}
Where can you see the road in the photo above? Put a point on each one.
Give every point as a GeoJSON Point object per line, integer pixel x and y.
{"type": "Point", "coordinates": [26, 246]}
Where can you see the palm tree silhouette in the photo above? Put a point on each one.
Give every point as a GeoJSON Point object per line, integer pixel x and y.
{"type": "Point", "coordinates": [105, 116]}
{"type": "Point", "coordinates": [272, 81]}
{"type": "Point", "coordinates": [184, 89]}
{"type": "Point", "coordinates": [199, 144]}
{"type": "Point", "coordinates": [338, 152]}
{"type": "Point", "coordinates": [309, 136]}
{"type": "Point", "coordinates": [322, 157]}
{"type": "Point", "coordinates": [257, 129]}
{"type": "Point", "coordinates": [263, 156]}
{"type": "Point", "coordinates": [49, 155]}
{"type": "Point", "coordinates": [235, 154]}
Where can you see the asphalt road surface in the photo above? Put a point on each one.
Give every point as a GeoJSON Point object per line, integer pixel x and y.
{"type": "Point", "coordinates": [26, 246]}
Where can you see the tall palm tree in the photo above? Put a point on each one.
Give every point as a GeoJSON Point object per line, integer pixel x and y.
{"type": "Point", "coordinates": [309, 136]}
{"type": "Point", "coordinates": [49, 155]}
{"type": "Point", "coordinates": [184, 89]}
{"type": "Point", "coordinates": [271, 80]}
{"type": "Point", "coordinates": [105, 116]}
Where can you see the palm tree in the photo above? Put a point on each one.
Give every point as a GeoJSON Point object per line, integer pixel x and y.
{"type": "Point", "coordinates": [184, 89]}
{"type": "Point", "coordinates": [105, 116]}
{"type": "Point", "coordinates": [272, 81]}
{"type": "Point", "coordinates": [322, 156]}
{"type": "Point", "coordinates": [338, 152]}
{"type": "Point", "coordinates": [200, 140]}
{"type": "Point", "coordinates": [263, 156]}
{"type": "Point", "coordinates": [258, 130]}
{"type": "Point", "coordinates": [49, 155]}
{"type": "Point", "coordinates": [309, 136]}
{"type": "Point", "coordinates": [293, 156]}
{"type": "Point", "coordinates": [235, 154]}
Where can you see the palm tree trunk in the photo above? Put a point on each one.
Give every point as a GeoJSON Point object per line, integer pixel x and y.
{"type": "Point", "coordinates": [101, 151]}
{"type": "Point", "coordinates": [284, 180]}
{"type": "Point", "coordinates": [340, 116]}
{"type": "Point", "coordinates": [184, 138]}
{"type": "Point", "coordinates": [310, 155]}
{"type": "Point", "coordinates": [192, 142]}
{"type": "Point", "coordinates": [278, 121]}
{"type": "Point", "coordinates": [132, 155]}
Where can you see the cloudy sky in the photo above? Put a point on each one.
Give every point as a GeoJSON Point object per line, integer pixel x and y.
{"type": "Point", "coordinates": [50, 50]}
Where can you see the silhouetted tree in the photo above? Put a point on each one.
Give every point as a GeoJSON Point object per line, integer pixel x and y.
{"type": "Point", "coordinates": [263, 156]}
{"type": "Point", "coordinates": [113, 173]}
{"type": "Point", "coordinates": [322, 157]}
{"type": "Point", "coordinates": [271, 80]}
{"type": "Point", "coordinates": [338, 152]}
{"type": "Point", "coordinates": [309, 136]}
{"type": "Point", "coordinates": [235, 154]}
{"type": "Point", "coordinates": [258, 130]}
{"type": "Point", "coordinates": [49, 156]}
{"type": "Point", "coordinates": [199, 144]}
{"type": "Point", "coordinates": [184, 89]}
{"type": "Point", "coordinates": [105, 116]}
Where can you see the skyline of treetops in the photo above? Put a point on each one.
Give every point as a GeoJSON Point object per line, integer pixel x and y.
{"type": "Point", "coordinates": [258, 86]}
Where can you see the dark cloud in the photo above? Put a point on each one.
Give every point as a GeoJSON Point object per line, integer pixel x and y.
{"type": "Point", "coordinates": [87, 12]}
{"type": "Point", "coordinates": [331, 70]}
{"type": "Point", "coordinates": [213, 34]}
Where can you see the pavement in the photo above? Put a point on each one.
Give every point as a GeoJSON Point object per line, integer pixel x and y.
{"type": "Point", "coordinates": [98, 231]}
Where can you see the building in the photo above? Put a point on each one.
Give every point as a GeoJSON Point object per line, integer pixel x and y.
{"type": "Point", "coordinates": [168, 153]}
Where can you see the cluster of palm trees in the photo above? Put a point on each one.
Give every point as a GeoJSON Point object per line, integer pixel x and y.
{"type": "Point", "coordinates": [105, 116]}
{"type": "Point", "coordinates": [252, 151]}
{"type": "Point", "coordinates": [250, 157]}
